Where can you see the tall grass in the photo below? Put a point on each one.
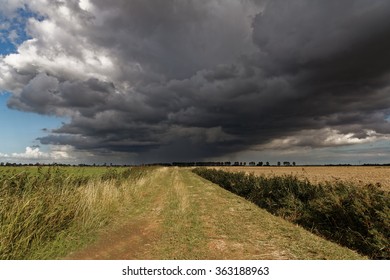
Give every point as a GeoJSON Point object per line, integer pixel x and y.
{"type": "Point", "coordinates": [41, 212]}
{"type": "Point", "coordinates": [355, 217]}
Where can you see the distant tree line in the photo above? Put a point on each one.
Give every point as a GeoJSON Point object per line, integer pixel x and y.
{"type": "Point", "coordinates": [229, 163]}
{"type": "Point", "coordinates": [184, 164]}
{"type": "Point", "coordinates": [65, 164]}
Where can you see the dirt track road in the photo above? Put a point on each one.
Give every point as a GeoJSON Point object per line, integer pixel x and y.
{"type": "Point", "coordinates": [181, 216]}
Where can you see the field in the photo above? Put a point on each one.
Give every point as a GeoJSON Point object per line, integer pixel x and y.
{"type": "Point", "coordinates": [357, 175]}
{"type": "Point", "coordinates": [142, 213]}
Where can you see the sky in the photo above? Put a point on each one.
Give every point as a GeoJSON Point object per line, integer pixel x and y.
{"type": "Point", "coordinates": [141, 81]}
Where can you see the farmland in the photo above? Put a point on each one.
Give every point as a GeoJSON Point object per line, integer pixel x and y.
{"type": "Point", "coordinates": [357, 175]}
{"type": "Point", "coordinates": [142, 213]}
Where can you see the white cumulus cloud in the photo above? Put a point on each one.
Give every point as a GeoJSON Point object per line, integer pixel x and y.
{"type": "Point", "coordinates": [33, 154]}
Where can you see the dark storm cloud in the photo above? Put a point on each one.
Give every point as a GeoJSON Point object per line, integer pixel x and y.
{"type": "Point", "coordinates": [176, 38]}
{"type": "Point", "coordinates": [336, 54]}
{"type": "Point", "coordinates": [196, 79]}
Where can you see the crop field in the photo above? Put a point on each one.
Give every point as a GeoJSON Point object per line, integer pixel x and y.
{"type": "Point", "coordinates": [152, 213]}
{"type": "Point", "coordinates": [357, 175]}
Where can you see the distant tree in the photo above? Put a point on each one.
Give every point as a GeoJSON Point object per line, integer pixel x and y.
{"type": "Point", "coordinates": [260, 163]}
{"type": "Point", "coordinates": [294, 163]}
{"type": "Point", "coordinates": [278, 163]}
{"type": "Point", "coordinates": [267, 163]}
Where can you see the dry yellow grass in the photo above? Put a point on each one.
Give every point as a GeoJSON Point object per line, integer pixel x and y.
{"type": "Point", "coordinates": [359, 175]}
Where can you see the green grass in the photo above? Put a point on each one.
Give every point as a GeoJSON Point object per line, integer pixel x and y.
{"type": "Point", "coordinates": [69, 170]}
{"type": "Point", "coordinates": [182, 236]}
